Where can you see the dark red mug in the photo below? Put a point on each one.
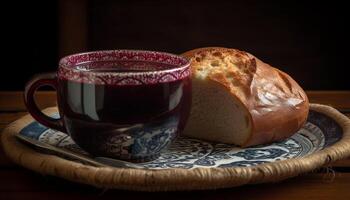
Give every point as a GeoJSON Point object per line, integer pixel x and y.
{"type": "Point", "coordinates": [125, 104]}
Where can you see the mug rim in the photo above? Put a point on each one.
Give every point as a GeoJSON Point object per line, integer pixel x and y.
{"type": "Point", "coordinates": [63, 60]}
{"type": "Point", "coordinates": [180, 69]}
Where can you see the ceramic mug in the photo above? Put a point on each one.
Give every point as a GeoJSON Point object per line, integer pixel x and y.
{"type": "Point", "coordinates": [125, 104]}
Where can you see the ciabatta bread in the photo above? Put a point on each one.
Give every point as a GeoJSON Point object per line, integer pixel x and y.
{"type": "Point", "coordinates": [238, 99]}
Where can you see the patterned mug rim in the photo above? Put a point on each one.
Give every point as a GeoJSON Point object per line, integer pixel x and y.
{"type": "Point", "coordinates": [180, 67]}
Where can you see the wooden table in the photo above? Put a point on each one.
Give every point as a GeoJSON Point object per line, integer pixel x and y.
{"type": "Point", "coordinates": [16, 182]}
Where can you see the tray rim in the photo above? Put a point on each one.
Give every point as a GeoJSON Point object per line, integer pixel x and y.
{"type": "Point", "coordinates": [173, 179]}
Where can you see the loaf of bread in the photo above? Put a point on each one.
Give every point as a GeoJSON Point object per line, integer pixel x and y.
{"type": "Point", "coordinates": [238, 99]}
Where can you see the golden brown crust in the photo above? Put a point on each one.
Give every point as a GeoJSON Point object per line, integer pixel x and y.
{"type": "Point", "coordinates": [277, 104]}
{"type": "Point", "coordinates": [237, 79]}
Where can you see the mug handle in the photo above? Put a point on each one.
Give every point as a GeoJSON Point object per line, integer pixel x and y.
{"type": "Point", "coordinates": [36, 82]}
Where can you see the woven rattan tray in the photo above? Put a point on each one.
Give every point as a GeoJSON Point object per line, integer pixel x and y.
{"type": "Point", "coordinates": [192, 164]}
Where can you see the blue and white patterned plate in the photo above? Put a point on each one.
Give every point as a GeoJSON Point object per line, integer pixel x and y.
{"type": "Point", "coordinates": [319, 132]}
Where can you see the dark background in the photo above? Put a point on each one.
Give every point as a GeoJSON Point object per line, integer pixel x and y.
{"type": "Point", "coordinates": [308, 40]}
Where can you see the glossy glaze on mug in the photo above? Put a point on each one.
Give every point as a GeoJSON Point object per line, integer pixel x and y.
{"type": "Point", "coordinates": [126, 108]}
{"type": "Point", "coordinates": [125, 104]}
{"type": "Point", "coordinates": [100, 111]}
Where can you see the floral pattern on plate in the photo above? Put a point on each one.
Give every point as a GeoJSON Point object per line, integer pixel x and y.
{"type": "Point", "coordinates": [319, 132]}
